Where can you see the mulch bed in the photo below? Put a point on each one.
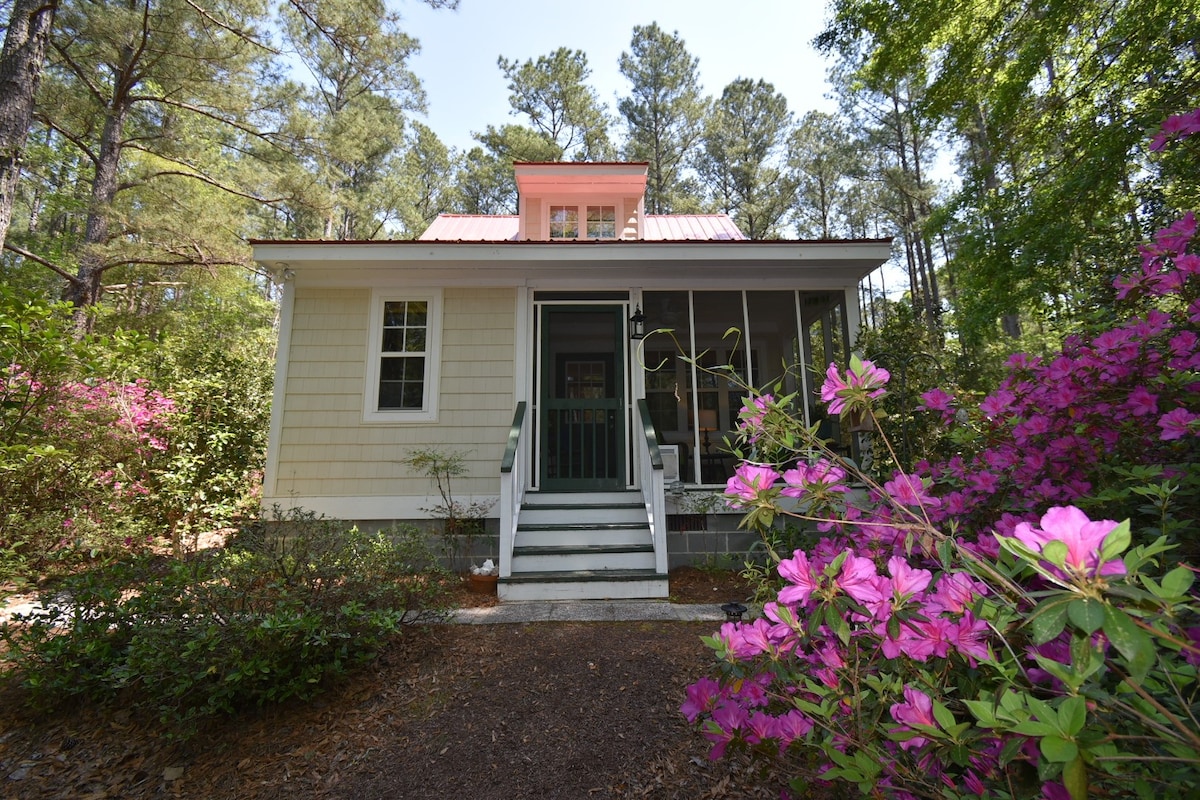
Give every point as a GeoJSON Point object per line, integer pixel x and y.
{"type": "Point", "coordinates": [548, 710]}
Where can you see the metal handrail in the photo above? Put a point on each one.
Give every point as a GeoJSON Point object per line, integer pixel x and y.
{"type": "Point", "coordinates": [514, 437]}
{"type": "Point", "coordinates": [651, 434]}
{"type": "Point", "coordinates": [512, 489]}
{"type": "Point", "coordinates": [653, 487]}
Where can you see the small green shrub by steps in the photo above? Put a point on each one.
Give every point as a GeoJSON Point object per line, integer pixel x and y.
{"type": "Point", "coordinates": [269, 619]}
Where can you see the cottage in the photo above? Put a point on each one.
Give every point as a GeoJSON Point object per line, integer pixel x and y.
{"type": "Point", "coordinates": [532, 344]}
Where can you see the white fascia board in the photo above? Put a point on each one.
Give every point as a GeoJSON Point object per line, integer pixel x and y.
{"type": "Point", "coordinates": [830, 264]}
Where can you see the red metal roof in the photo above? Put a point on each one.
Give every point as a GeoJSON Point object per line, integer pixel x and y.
{"type": "Point", "coordinates": [657, 228]}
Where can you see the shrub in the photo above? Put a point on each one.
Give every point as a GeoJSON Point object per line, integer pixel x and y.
{"type": "Point", "coordinates": [78, 449]}
{"type": "Point", "coordinates": [967, 630]}
{"type": "Point", "coordinates": [273, 617]}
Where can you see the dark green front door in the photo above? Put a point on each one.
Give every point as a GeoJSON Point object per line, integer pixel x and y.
{"type": "Point", "coordinates": [582, 398]}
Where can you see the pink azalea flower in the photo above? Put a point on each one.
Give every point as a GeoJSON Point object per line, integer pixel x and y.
{"type": "Point", "coordinates": [868, 381]}
{"type": "Point", "coordinates": [1176, 424]}
{"type": "Point", "coordinates": [747, 483]}
{"type": "Point", "coordinates": [801, 578]}
{"type": "Point", "coordinates": [908, 490]}
{"type": "Point", "coordinates": [702, 697]}
{"type": "Point", "coordinates": [938, 400]}
{"type": "Point", "coordinates": [906, 581]}
{"type": "Point", "coordinates": [997, 403]}
{"type": "Point", "coordinates": [833, 390]}
{"type": "Point", "coordinates": [916, 710]}
{"type": "Point", "coordinates": [1179, 126]}
{"type": "Point", "coordinates": [1083, 537]}
{"type": "Point", "coordinates": [955, 592]}
{"type": "Point", "coordinates": [1141, 402]}
{"type": "Point", "coordinates": [792, 726]}
{"type": "Point", "coordinates": [859, 579]}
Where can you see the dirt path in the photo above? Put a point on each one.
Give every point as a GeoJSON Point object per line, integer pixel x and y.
{"type": "Point", "coordinates": [543, 710]}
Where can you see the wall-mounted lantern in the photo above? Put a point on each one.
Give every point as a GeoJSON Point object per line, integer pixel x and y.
{"type": "Point", "coordinates": [637, 324]}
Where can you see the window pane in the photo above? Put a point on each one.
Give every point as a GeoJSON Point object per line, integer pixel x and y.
{"type": "Point", "coordinates": [418, 313]}
{"type": "Point", "coordinates": [414, 341]}
{"type": "Point", "coordinates": [393, 340]}
{"type": "Point", "coordinates": [564, 222]}
{"type": "Point", "coordinates": [414, 395]}
{"type": "Point", "coordinates": [393, 314]}
{"type": "Point", "coordinates": [602, 222]}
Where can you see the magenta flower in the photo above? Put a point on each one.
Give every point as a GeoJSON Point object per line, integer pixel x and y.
{"type": "Point", "coordinates": [801, 578]}
{"type": "Point", "coordinates": [748, 483]}
{"type": "Point", "coordinates": [955, 592]}
{"type": "Point", "coordinates": [906, 581]}
{"type": "Point", "coordinates": [702, 697]}
{"type": "Point", "coordinates": [916, 710]}
{"type": "Point", "coordinates": [1176, 424]}
{"type": "Point", "coordinates": [863, 380]}
{"type": "Point", "coordinates": [1179, 126]}
{"type": "Point", "coordinates": [938, 400]}
{"type": "Point", "coordinates": [1083, 537]}
{"type": "Point", "coordinates": [859, 579]}
{"type": "Point", "coordinates": [908, 490]}
{"type": "Point", "coordinates": [751, 416]}
{"type": "Point", "coordinates": [1141, 402]}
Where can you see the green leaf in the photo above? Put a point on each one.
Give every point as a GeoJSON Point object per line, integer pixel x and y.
{"type": "Point", "coordinates": [1116, 542]}
{"type": "Point", "coordinates": [1177, 582]}
{"type": "Point", "coordinates": [1061, 671]}
{"type": "Point", "coordinates": [1130, 641]}
{"type": "Point", "coordinates": [1058, 749]}
{"type": "Point", "coordinates": [1034, 728]}
{"type": "Point", "coordinates": [1056, 553]}
{"type": "Point", "coordinates": [1086, 614]}
{"type": "Point", "coordinates": [1075, 779]}
{"type": "Point", "coordinates": [1072, 715]}
{"type": "Point", "coordinates": [943, 715]}
{"type": "Point", "coordinates": [1048, 619]}
{"type": "Point", "coordinates": [983, 711]}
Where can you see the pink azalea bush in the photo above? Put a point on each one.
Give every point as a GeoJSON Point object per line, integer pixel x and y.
{"type": "Point", "coordinates": [971, 628]}
{"type": "Point", "coordinates": [80, 459]}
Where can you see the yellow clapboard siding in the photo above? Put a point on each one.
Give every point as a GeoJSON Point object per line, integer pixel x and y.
{"type": "Point", "coordinates": [325, 447]}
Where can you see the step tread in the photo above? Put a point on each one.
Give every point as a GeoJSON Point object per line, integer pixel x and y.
{"type": "Point", "coordinates": [583, 506]}
{"type": "Point", "coordinates": [582, 525]}
{"type": "Point", "coordinates": [584, 575]}
{"type": "Point", "coordinates": [579, 549]}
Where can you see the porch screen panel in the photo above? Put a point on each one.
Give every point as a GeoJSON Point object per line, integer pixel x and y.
{"type": "Point", "coordinates": [774, 339]}
{"type": "Point", "coordinates": [667, 373]}
{"type": "Point", "coordinates": [715, 397]}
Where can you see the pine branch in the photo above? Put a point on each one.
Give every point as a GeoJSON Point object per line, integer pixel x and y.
{"type": "Point", "coordinates": [39, 260]}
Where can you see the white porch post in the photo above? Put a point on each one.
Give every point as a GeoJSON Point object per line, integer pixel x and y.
{"type": "Point", "coordinates": [853, 316]}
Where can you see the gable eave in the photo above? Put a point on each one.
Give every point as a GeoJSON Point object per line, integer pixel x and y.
{"type": "Point", "coordinates": [744, 263]}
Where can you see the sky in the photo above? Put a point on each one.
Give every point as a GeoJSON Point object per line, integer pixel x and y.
{"type": "Point", "coordinates": [466, 92]}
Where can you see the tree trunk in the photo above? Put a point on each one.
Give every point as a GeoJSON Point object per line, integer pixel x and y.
{"type": "Point", "coordinates": [21, 63]}
{"type": "Point", "coordinates": [85, 290]}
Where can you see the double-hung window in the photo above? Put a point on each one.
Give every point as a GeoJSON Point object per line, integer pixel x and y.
{"type": "Point", "coordinates": [600, 222]}
{"type": "Point", "coordinates": [402, 367]}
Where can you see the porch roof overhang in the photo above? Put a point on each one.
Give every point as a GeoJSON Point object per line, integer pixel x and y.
{"type": "Point", "coordinates": [815, 264]}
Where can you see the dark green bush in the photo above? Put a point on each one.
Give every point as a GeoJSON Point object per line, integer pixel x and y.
{"type": "Point", "coordinates": [287, 607]}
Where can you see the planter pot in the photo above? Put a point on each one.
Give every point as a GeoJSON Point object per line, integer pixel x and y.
{"type": "Point", "coordinates": [482, 584]}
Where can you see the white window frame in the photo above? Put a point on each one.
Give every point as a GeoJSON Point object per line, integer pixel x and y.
{"type": "Point", "coordinates": [433, 357]}
{"type": "Point", "coordinates": [586, 227]}
{"type": "Point", "coordinates": [581, 221]}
